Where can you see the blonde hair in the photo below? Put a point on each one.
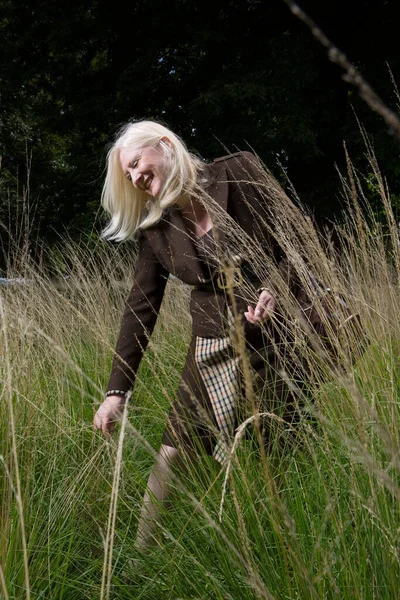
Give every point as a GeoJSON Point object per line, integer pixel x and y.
{"type": "Point", "coordinates": [129, 207]}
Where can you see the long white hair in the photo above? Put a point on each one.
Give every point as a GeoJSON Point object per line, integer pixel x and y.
{"type": "Point", "coordinates": [129, 207]}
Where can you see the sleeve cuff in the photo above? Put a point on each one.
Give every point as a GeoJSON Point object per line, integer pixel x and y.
{"type": "Point", "coordinates": [116, 393]}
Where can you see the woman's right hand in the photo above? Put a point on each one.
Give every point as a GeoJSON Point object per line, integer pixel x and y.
{"type": "Point", "coordinates": [108, 413]}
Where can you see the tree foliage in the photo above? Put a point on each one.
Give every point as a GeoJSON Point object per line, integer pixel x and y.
{"type": "Point", "coordinates": [223, 74]}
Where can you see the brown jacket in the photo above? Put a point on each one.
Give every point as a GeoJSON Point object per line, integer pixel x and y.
{"type": "Point", "coordinates": [168, 247]}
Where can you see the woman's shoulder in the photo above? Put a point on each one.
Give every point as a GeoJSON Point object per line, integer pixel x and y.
{"type": "Point", "coordinates": [240, 164]}
{"type": "Point", "coordinates": [241, 156]}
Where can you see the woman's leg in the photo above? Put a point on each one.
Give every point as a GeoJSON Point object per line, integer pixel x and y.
{"type": "Point", "coordinates": [186, 428]}
{"type": "Point", "coordinates": [157, 494]}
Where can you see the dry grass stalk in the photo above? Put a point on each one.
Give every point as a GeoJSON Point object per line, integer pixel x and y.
{"type": "Point", "coordinates": [109, 540]}
{"type": "Point", "coordinates": [17, 486]}
{"type": "Point", "coordinates": [352, 76]}
{"type": "Point", "coordinates": [46, 329]}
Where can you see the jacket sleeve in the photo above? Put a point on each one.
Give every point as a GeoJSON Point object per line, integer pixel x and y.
{"type": "Point", "coordinates": [140, 315]}
{"type": "Point", "coordinates": [250, 192]}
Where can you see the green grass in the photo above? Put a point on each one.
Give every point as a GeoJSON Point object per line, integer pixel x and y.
{"type": "Point", "coordinates": [318, 517]}
{"type": "Point", "coordinates": [317, 520]}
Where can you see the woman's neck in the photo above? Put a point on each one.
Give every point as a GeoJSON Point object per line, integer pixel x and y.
{"type": "Point", "coordinates": [198, 217]}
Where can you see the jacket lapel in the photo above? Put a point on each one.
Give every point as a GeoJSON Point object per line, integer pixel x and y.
{"type": "Point", "coordinates": [216, 188]}
{"type": "Point", "coordinates": [216, 192]}
{"type": "Point", "coordinates": [176, 242]}
{"type": "Point", "coordinates": [183, 250]}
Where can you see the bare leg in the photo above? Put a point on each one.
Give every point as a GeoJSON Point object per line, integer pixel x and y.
{"type": "Point", "coordinates": [157, 495]}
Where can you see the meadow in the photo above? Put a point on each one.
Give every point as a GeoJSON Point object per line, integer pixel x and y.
{"type": "Point", "coordinates": [316, 516]}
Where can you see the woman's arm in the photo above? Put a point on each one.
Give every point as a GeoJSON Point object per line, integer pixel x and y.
{"type": "Point", "coordinates": [250, 193]}
{"type": "Point", "coordinates": [108, 413]}
{"type": "Point", "coordinates": [264, 308]}
{"type": "Point", "coordinates": [140, 315]}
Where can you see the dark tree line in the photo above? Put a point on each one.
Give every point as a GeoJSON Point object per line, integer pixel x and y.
{"type": "Point", "coordinates": [225, 74]}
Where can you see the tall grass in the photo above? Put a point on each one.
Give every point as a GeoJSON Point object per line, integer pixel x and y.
{"type": "Point", "coordinates": [317, 516]}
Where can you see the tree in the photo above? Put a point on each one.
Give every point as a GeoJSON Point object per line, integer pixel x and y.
{"type": "Point", "coordinates": [224, 75]}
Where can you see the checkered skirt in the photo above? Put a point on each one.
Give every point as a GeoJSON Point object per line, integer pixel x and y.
{"type": "Point", "coordinates": [219, 369]}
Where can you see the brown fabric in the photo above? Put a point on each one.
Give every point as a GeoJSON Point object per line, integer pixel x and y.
{"type": "Point", "coordinates": [169, 248]}
{"type": "Point", "coordinates": [325, 316]}
{"type": "Point", "coordinates": [218, 365]}
{"type": "Point", "coordinates": [192, 425]}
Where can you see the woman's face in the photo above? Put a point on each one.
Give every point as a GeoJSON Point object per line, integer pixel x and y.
{"type": "Point", "coordinates": [146, 168]}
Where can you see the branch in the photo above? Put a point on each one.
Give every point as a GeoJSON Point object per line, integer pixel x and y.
{"type": "Point", "coordinates": [351, 75]}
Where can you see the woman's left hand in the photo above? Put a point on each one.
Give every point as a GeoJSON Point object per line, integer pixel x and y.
{"type": "Point", "coordinates": [265, 307]}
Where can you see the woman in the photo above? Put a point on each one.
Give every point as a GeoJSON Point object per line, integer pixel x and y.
{"type": "Point", "coordinates": [205, 224]}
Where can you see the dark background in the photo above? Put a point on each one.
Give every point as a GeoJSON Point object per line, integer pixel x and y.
{"type": "Point", "coordinates": [225, 75]}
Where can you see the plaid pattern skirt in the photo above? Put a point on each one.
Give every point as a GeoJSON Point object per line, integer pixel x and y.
{"type": "Point", "coordinates": [205, 412]}
{"type": "Point", "coordinates": [218, 366]}
{"type": "Point", "coordinates": [203, 415]}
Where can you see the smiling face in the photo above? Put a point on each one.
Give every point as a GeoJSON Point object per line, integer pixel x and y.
{"type": "Point", "coordinates": [145, 167]}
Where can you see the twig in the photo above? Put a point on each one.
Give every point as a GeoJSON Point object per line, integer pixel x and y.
{"type": "Point", "coordinates": [17, 487]}
{"type": "Point", "coordinates": [109, 543]}
{"type": "Point", "coordinates": [238, 435]}
{"type": "Point", "coordinates": [351, 75]}
{"type": "Point", "coordinates": [3, 584]}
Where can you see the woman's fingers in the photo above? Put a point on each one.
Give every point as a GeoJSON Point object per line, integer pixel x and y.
{"type": "Point", "coordinates": [102, 422]}
{"type": "Point", "coordinates": [108, 413]}
{"type": "Point", "coordinates": [265, 305]}
{"type": "Point", "coordinates": [264, 308]}
{"type": "Point", "coordinates": [250, 315]}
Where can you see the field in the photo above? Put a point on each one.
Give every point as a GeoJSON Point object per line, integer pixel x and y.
{"type": "Point", "coordinates": [317, 516]}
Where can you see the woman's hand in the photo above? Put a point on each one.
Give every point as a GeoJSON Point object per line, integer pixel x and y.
{"type": "Point", "coordinates": [264, 309]}
{"type": "Point", "coordinates": [108, 413]}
